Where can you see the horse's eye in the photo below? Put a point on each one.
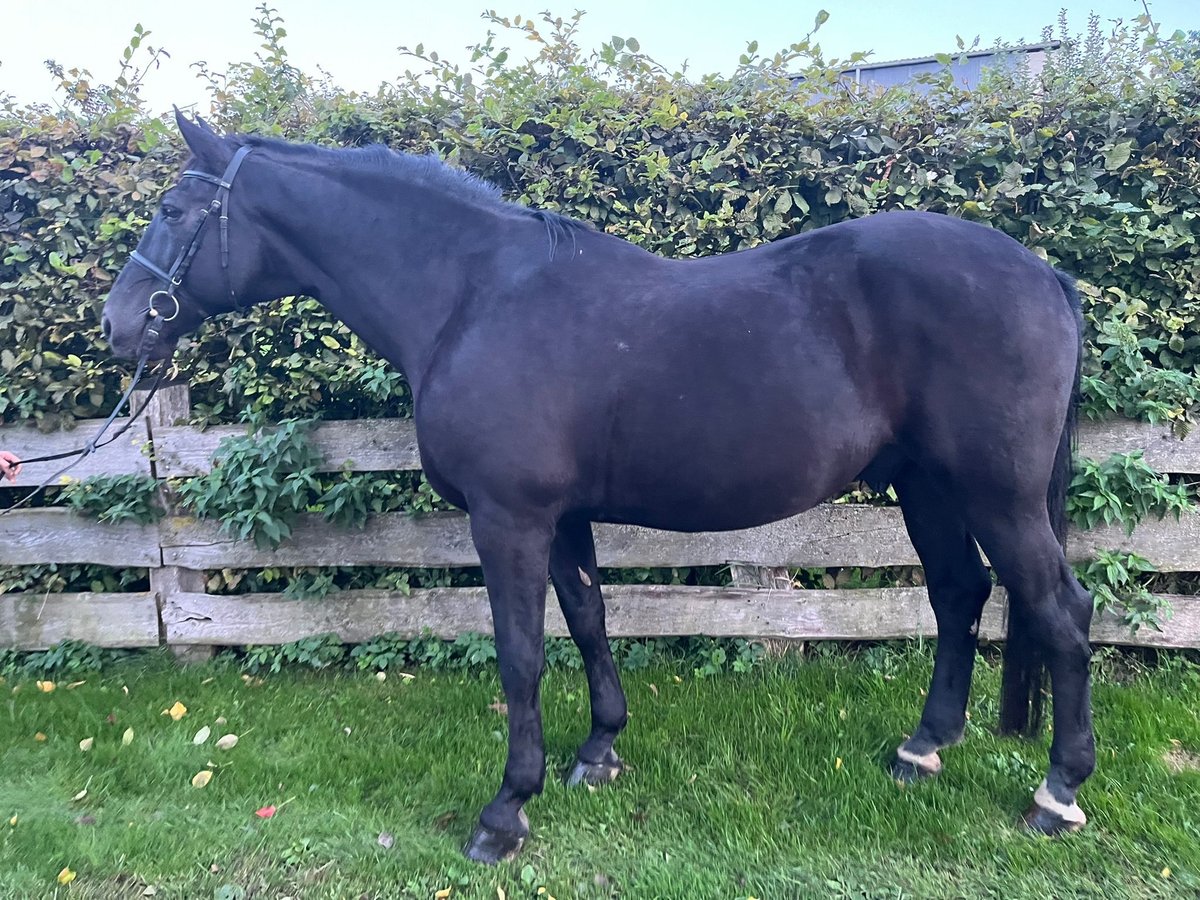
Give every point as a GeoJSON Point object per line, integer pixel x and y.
{"type": "Point", "coordinates": [171, 213]}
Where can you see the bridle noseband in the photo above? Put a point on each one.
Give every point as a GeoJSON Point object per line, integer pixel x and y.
{"type": "Point", "coordinates": [173, 277]}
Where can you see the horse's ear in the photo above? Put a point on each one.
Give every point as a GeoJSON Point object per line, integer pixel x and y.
{"type": "Point", "coordinates": [208, 147]}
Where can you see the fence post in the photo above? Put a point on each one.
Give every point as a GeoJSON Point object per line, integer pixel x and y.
{"type": "Point", "coordinates": [772, 578]}
{"type": "Point", "coordinates": [169, 405]}
{"type": "Point", "coordinates": [745, 575]}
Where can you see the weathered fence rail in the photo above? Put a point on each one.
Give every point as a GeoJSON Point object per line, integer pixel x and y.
{"type": "Point", "coordinates": [177, 551]}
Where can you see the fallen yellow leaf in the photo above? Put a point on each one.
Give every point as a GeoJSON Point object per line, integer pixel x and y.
{"type": "Point", "coordinates": [86, 744]}
{"type": "Point", "coordinates": [40, 737]}
{"type": "Point", "coordinates": [442, 894]}
{"type": "Point", "coordinates": [12, 823]}
{"type": "Point", "coordinates": [127, 737]}
{"type": "Point", "coordinates": [176, 712]}
{"type": "Point", "coordinates": [500, 895]}
{"type": "Point", "coordinates": [201, 778]}
{"type": "Point", "coordinates": [46, 687]}
{"type": "Point", "coordinates": [66, 876]}
{"type": "Point", "coordinates": [837, 764]}
{"type": "Point", "coordinates": [1166, 872]}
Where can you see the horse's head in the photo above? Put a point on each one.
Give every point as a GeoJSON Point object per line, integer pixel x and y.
{"type": "Point", "coordinates": [200, 255]}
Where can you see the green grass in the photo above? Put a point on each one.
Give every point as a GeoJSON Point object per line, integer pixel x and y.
{"type": "Point", "coordinates": [735, 789]}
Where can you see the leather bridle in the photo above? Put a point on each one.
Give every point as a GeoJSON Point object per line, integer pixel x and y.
{"type": "Point", "coordinates": [173, 277]}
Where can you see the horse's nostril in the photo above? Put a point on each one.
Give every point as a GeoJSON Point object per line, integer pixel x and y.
{"type": "Point", "coordinates": [105, 327]}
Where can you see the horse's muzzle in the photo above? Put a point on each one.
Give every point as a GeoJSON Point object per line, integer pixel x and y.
{"type": "Point", "coordinates": [148, 342]}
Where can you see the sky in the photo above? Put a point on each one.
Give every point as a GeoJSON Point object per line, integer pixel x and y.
{"type": "Point", "coordinates": [356, 41]}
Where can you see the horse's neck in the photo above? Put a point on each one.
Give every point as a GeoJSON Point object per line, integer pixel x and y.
{"type": "Point", "coordinates": [393, 265]}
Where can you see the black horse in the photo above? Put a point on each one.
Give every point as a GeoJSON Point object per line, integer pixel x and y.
{"type": "Point", "coordinates": [563, 377]}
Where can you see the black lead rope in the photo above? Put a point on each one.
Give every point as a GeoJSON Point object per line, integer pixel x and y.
{"type": "Point", "coordinates": [95, 443]}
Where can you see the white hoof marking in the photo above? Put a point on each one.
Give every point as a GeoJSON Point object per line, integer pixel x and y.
{"type": "Point", "coordinates": [929, 762]}
{"type": "Point", "coordinates": [1069, 813]}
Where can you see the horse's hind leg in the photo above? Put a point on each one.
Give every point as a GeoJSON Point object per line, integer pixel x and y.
{"type": "Point", "coordinates": [577, 583]}
{"type": "Point", "coordinates": [958, 586]}
{"type": "Point", "coordinates": [1055, 612]}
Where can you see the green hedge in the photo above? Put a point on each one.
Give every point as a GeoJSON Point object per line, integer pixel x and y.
{"type": "Point", "coordinates": [1094, 163]}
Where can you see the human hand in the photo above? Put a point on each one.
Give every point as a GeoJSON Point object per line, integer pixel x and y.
{"type": "Point", "coordinates": [10, 465]}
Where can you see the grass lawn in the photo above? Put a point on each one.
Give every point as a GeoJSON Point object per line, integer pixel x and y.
{"type": "Point", "coordinates": [768, 784]}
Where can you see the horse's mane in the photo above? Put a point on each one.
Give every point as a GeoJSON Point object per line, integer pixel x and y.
{"type": "Point", "coordinates": [426, 170]}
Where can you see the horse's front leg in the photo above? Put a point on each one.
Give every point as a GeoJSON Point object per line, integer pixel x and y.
{"type": "Point", "coordinates": [577, 582]}
{"type": "Point", "coordinates": [514, 551]}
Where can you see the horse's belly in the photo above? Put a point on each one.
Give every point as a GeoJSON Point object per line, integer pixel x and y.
{"type": "Point", "coordinates": [699, 491]}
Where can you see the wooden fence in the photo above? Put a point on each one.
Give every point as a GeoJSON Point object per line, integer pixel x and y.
{"type": "Point", "coordinates": [761, 602]}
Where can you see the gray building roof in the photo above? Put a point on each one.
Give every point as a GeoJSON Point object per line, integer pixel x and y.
{"type": "Point", "coordinates": [967, 67]}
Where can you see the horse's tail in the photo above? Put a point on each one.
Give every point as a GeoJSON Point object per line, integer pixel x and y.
{"type": "Point", "coordinates": [1023, 678]}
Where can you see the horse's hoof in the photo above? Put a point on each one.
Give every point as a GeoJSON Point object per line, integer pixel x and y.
{"type": "Point", "coordinates": [1052, 823]}
{"type": "Point", "coordinates": [491, 846]}
{"type": "Point", "coordinates": [1051, 816]}
{"type": "Point", "coordinates": [908, 767]}
{"type": "Point", "coordinates": [596, 773]}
